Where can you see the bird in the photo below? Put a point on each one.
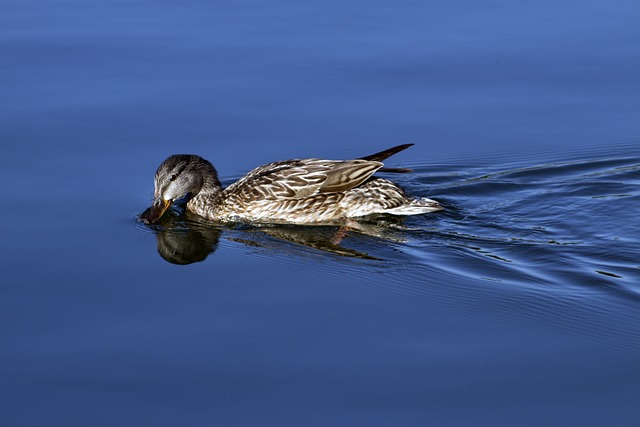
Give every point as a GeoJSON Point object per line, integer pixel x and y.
{"type": "Point", "coordinates": [298, 191]}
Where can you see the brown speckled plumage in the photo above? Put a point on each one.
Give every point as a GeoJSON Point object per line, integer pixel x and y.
{"type": "Point", "coordinates": [301, 191]}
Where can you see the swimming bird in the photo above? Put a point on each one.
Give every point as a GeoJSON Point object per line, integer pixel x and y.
{"type": "Point", "coordinates": [299, 191]}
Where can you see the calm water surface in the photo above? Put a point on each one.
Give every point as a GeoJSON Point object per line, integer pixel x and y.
{"type": "Point", "coordinates": [519, 304]}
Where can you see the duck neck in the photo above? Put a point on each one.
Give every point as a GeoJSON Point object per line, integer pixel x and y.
{"type": "Point", "coordinates": [205, 201]}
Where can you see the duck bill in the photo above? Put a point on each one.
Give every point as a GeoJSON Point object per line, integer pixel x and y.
{"type": "Point", "coordinates": [156, 210]}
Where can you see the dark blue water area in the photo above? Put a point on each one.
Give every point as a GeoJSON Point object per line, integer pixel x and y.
{"type": "Point", "coordinates": [518, 304]}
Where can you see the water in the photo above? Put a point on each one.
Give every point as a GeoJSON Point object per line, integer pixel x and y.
{"type": "Point", "coordinates": [516, 305]}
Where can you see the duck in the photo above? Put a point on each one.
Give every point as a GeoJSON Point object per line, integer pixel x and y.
{"type": "Point", "coordinates": [297, 191]}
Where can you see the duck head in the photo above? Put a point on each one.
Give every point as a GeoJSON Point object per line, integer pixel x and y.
{"type": "Point", "coordinates": [179, 176]}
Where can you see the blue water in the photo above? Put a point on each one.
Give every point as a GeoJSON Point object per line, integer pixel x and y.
{"type": "Point", "coordinates": [519, 304]}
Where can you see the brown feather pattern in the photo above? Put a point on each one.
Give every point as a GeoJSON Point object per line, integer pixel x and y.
{"type": "Point", "coordinates": [294, 191]}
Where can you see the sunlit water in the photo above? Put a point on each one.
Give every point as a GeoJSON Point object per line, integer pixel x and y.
{"type": "Point", "coordinates": [519, 304]}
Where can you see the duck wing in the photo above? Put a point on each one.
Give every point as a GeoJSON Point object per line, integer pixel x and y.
{"type": "Point", "coordinates": [348, 174]}
{"type": "Point", "coordinates": [297, 179]}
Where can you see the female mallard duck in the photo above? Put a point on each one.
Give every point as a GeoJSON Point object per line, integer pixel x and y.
{"type": "Point", "coordinates": [304, 191]}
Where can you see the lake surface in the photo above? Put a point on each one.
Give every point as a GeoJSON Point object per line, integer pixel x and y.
{"type": "Point", "coordinates": [519, 304]}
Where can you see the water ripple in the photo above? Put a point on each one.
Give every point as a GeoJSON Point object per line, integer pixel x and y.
{"type": "Point", "coordinates": [568, 224]}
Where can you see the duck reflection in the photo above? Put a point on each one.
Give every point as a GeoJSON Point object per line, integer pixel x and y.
{"type": "Point", "coordinates": [184, 238]}
{"type": "Point", "coordinates": [182, 241]}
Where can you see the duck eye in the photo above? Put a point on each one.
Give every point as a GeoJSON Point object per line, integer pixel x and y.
{"type": "Point", "coordinates": [173, 177]}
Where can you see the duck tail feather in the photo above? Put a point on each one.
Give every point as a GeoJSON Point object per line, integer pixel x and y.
{"type": "Point", "coordinates": [378, 157]}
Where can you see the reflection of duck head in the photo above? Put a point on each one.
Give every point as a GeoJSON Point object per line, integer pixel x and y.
{"type": "Point", "coordinates": [182, 241]}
